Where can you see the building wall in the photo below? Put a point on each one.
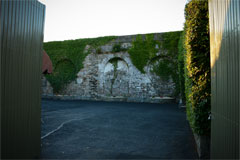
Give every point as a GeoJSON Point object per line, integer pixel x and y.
{"type": "Point", "coordinates": [112, 76]}
{"type": "Point", "coordinates": [99, 80]}
{"type": "Point", "coordinates": [22, 24]}
{"type": "Point", "coordinates": [225, 74]}
{"type": "Point", "coordinates": [46, 87]}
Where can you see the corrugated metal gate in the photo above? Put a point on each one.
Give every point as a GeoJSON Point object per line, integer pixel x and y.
{"type": "Point", "coordinates": [22, 23]}
{"type": "Point", "coordinates": [225, 64]}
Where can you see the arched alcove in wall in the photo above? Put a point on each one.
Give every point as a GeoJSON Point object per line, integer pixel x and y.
{"type": "Point", "coordinates": [64, 72]}
{"type": "Point", "coordinates": [116, 79]}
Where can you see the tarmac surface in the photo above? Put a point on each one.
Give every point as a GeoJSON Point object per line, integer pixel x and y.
{"type": "Point", "coordinates": [115, 130]}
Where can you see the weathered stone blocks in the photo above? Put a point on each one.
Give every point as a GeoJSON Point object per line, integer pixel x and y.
{"type": "Point", "coordinates": [112, 76]}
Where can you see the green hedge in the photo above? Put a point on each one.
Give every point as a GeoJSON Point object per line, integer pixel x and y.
{"type": "Point", "coordinates": [197, 61]}
{"type": "Point", "coordinates": [67, 58]}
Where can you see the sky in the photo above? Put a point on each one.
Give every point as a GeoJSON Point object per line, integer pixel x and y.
{"type": "Point", "coordinates": [74, 19]}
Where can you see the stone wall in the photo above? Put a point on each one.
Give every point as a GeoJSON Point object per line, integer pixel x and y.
{"type": "Point", "coordinates": [46, 87]}
{"type": "Point", "coordinates": [112, 76]}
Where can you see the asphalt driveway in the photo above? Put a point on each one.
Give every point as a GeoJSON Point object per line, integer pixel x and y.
{"type": "Point", "coordinates": [114, 130]}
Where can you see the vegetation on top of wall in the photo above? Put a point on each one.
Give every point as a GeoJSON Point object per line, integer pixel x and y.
{"type": "Point", "coordinates": [69, 52]}
{"type": "Point", "coordinates": [197, 61]}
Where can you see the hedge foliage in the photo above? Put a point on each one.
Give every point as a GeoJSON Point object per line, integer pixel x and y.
{"type": "Point", "coordinates": [67, 58]}
{"type": "Point", "coordinates": [197, 62]}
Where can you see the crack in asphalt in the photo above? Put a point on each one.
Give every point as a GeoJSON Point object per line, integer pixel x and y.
{"type": "Point", "coordinates": [59, 127]}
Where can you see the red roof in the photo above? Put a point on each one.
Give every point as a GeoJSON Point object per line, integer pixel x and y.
{"type": "Point", "coordinates": [46, 64]}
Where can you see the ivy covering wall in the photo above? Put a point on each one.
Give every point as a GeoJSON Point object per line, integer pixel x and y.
{"type": "Point", "coordinates": [197, 63]}
{"type": "Point", "coordinates": [181, 67]}
{"type": "Point", "coordinates": [68, 56]}
{"type": "Point", "coordinates": [144, 51]}
{"type": "Point", "coordinates": [168, 66]}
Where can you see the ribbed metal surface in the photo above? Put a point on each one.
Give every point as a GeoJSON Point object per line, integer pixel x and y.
{"type": "Point", "coordinates": [225, 64]}
{"type": "Point", "coordinates": [22, 23]}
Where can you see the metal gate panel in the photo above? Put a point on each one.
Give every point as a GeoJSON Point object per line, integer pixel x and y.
{"type": "Point", "coordinates": [22, 23]}
{"type": "Point", "coordinates": [224, 19]}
